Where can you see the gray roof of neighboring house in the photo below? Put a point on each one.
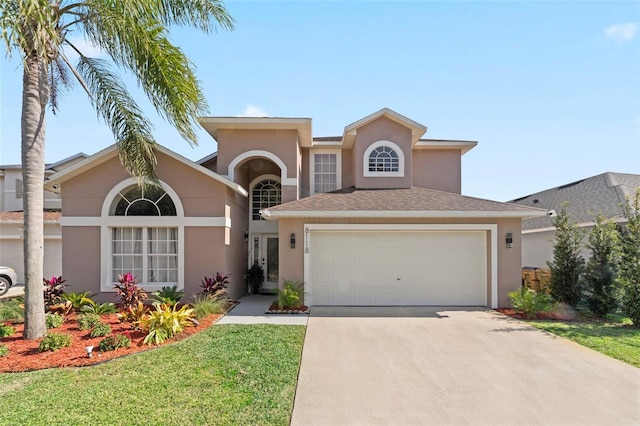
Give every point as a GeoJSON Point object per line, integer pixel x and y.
{"type": "Point", "coordinates": [409, 202]}
{"type": "Point", "coordinates": [586, 198]}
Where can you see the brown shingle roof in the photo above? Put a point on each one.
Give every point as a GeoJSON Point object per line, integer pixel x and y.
{"type": "Point", "coordinates": [412, 202]}
{"type": "Point", "coordinates": [18, 217]}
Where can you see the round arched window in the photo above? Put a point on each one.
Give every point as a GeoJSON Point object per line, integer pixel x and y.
{"type": "Point", "coordinates": [143, 201]}
{"type": "Point", "coordinates": [266, 193]}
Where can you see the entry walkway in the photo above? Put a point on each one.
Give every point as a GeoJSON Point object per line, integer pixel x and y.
{"type": "Point", "coordinates": [251, 310]}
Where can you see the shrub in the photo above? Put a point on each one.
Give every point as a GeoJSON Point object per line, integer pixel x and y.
{"type": "Point", "coordinates": [100, 329]}
{"type": "Point", "coordinates": [133, 314]}
{"type": "Point", "coordinates": [630, 267]}
{"type": "Point", "coordinates": [168, 295]}
{"type": "Point", "coordinates": [87, 320]}
{"type": "Point", "coordinates": [4, 351]}
{"type": "Point", "coordinates": [206, 305]}
{"type": "Point", "coordinates": [530, 302]}
{"type": "Point", "coordinates": [12, 310]}
{"type": "Point", "coordinates": [53, 320]}
{"type": "Point", "coordinates": [568, 264]}
{"type": "Point", "coordinates": [53, 342]}
{"type": "Point", "coordinates": [601, 275]}
{"type": "Point", "coordinates": [112, 343]}
{"type": "Point", "coordinates": [290, 296]}
{"type": "Point", "coordinates": [215, 286]}
{"type": "Point", "coordinates": [99, 308]}
{"type": "Point", "coordinates": [164, 322]}
{"type": "Point", "coordinates": [128, 291]}
{"type": "Point", "coordinates": [6, 330]}
{"type": "Point", "coordinates": [255, 278]}
{"type": "Point", "coordinates": [78, 300]}
{"type": "Point", "coordinates": [53, 290]}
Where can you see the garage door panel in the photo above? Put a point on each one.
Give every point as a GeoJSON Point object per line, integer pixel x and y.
{"type": "Point", "coordinates": [398, 268]}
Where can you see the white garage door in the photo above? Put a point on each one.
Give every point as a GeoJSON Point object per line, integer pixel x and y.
{"type": "Point", "coordinates": [436, 268]}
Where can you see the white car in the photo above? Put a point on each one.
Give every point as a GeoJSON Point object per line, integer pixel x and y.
{"type": "Point", "coordinates": [8, 278]}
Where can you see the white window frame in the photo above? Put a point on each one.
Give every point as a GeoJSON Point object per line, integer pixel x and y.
{"type": "Point", "coordinates": [312, 167]}
{"type": "Point", "coordinates": [145, 222]}
{"type": "Point", "coordinates": [365, 160]}
{"type": "Point", "coordinates": [251, 187]}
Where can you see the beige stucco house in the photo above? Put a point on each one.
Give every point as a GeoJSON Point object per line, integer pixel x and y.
{"type": "Point", "coordinates": [372, 217]}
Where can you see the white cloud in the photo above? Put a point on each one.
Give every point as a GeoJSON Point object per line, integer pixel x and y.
{"type": "Point", "coordinates": [621, 33]}
{"type": "Point", "coordinates": [253, 111]}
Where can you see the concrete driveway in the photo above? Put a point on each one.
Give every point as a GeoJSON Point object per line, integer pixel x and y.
{"type": "Point", "coordinates": [420, 366]}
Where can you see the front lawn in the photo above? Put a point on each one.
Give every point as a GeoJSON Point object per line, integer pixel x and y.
{"type": "Point", "coordinates": [228, 374]}
{"type": "Point", "coordinates": [617, 339]}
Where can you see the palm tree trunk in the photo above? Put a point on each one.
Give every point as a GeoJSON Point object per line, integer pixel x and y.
{"type": "Point", "coordinates": [35, 92]}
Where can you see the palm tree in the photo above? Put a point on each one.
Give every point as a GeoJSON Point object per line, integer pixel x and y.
{"type": "Point", "coordinates": [134, 34]}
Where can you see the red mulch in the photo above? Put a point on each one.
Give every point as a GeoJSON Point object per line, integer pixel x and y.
{"type": "Point", "coordinates": [24, 356]}
{"type": "Point", "coordinates": [275, 308]}
{"type": "Point", "coordinates": [520, 315]}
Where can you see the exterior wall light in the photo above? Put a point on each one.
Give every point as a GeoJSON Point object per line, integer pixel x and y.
{"type": "Point", "coordinates": [509, 240]}
{"type": "Point", "coordinates": [293, 241]}
{"type": "Point", "coordinates": [246, 236]}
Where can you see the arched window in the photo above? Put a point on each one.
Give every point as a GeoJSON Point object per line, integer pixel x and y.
{"type": "Point", "coordinates": [266, 193]}
{"type": "Point", "coordinates": [149, 252]}
{"type": "Point", "coordinates": [146, 201]}
{"type": "Point", "coordinates": [383, 159]}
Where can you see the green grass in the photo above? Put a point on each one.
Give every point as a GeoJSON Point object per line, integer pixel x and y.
{"type": "Point", "coordinates": [615, 338]}
{"type": "Point", "coordinates": [226, 375]}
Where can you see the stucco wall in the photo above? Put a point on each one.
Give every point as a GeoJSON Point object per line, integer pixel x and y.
{"type": "Point", "coordinates": [81, 261]}
{"type": "Point", "coordinates": [382, 129]}
{"type": "Point", "coordinates": [508, 258]}
{"type": "Point", "coordinates": [437, 169]}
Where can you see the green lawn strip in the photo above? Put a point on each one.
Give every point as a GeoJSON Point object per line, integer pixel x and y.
{"type": "Point", "coordinates": [228, 374]}
{"type": "Point", "coordinates": [617, 340]}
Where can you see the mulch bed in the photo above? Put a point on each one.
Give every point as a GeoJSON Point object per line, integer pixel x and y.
{"type": "Point", "coordinates": [539, 316]}
{"type": "Point", "coordinates": [24, 356]}
{"type": "Point", "coordinates": [275, 309]}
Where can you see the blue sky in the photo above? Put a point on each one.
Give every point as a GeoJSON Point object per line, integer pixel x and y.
{"type": "Point", "coordinates": [550, 90]}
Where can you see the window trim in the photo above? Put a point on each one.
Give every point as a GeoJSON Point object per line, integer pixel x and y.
{"type": "Point", "coordinates": [367, 153]}
{"type": "Point", "coordinates": [312, 167]}
{"type": "Point", "coordinates": [109, 222]}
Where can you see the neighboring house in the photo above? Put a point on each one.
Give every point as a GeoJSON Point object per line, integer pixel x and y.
{"type": "Point", "coordinates": [12, 219]}
{"type": "Point", "coordinates": [374, 217]}
{"type": "Point", "coordinates": [584, 199]}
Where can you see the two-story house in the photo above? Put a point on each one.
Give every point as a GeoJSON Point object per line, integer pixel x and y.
{"type": "Point", "coordinates": [373, 217]}
{"type": "Point", "coordinates": [12, 218]}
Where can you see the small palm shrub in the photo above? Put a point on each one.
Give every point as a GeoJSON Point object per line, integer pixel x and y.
{"type": "Point", "coordinates": [206, 305]}
{"type": "Point", "coordinates": [133, 314]}
{"type": "Point", "coordinates": [99, 308]}
{"type": "Point", "coordinates": [4, 351]}
{"type": "Point", "coordinates": [53, 290]}
{"type": "Point", "coordinates": [100, 329]}
{"type": "Point", "coordinates": [12, 310]}
{"type": "Point", "coordinates": [290, 296]}
{"type": "Point", "coordinates": [215, 286]}
{"type": "Point", "coordinates": [52, 342]}
{"type": "Point", "coordinates": [87, 320]}
{"type": "Point", "coordinates": [164, 322]}
{"type": "Point", "coordinates": [111, 343]}
{"type": "Point", "coordinates": [128, 291]}
{"type": "Point", "coordinates": [78, 300]}
{"type": "Point", "coordinates": [53, 320]}
{"type": "Point", "coordinates": [168, 295]}
{"type": "Point", "coordinates": [6, 330]}
{"type": "Point", "coordinates": [530, 302]}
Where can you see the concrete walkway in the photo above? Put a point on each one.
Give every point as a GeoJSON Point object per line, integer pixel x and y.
{"type": "Point", "coordinates": [251, 310]}
{"type": "Point", "coordinates": [428, 366]}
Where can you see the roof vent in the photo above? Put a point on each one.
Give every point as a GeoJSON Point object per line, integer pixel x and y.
{"type": "Point", "coordinates": [552, 213]}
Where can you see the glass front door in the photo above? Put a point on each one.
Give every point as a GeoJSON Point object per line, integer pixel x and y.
{"type": "Point", "coordinates": [265, 254]}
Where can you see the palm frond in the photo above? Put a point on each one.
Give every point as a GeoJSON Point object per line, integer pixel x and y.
{"type": "Point", "coordinates": [59, 81]}
{"type": "Point", "coordinates": [117, 108]}
{"type": "Point", "coordinates": [29, 26]}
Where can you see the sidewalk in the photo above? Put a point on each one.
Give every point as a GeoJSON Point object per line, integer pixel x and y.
{"type": "Point", "coordinates": [252, 308]}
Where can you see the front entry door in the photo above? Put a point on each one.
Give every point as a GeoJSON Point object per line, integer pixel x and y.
{"type": "Point", "coordinates": [266, 255]}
